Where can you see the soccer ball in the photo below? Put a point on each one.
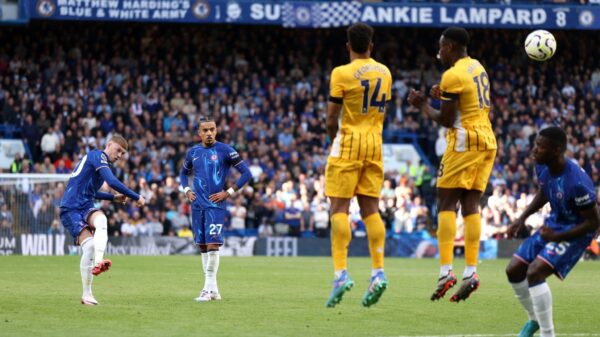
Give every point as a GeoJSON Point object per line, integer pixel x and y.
{"type": "Point", "coordinates": [540, 45]}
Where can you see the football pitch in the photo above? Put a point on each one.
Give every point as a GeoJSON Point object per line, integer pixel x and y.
{"type": "Point", "coordinates": [272, 296]}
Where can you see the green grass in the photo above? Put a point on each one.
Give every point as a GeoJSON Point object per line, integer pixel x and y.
{"type": "Point", "coordinates": [270, 296]}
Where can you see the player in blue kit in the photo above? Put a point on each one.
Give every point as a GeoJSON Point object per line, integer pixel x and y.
{"type": "Point", "coordinates": [560, 243]}
{"type": "Point", "coordinates": [87, 224]}
{"type": "Point", "coordinates": [210, 162]}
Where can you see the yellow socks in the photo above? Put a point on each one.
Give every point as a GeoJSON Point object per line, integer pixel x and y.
{"type": "Point", "coordinates": [340, 238]}
{"type": "Point", "coordinates": [446, 233]}
{"type": "Point", "coordinates": [376, 235]}
{"type": "Point", "coordinates": [472, 237]}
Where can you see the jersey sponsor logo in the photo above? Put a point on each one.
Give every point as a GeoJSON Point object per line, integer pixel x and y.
{"type": "Point", "coordinates": [233, 154]}
{"type": "Point", "coordinates": [585, 199]}
{"type": "Point", "coordinates": [103, 159]}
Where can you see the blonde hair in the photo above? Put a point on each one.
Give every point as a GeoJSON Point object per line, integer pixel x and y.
{"type": "Point", "coordinates": [120, 140]}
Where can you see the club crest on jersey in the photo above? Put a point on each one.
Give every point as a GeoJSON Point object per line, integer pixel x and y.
{"type": "Point", "coordinates": [559, 195]}
{"type": "Point", "coordinates": [214, 157]}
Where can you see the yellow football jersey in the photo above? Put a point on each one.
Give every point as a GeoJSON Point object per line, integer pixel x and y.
{"type": "Point", "coordinates": [363, 87]}
{"type": "Point", "coordinates": [468, 83]}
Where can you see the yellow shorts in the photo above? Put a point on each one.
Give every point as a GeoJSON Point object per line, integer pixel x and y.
{"type": "Point", "coordinates": [347, 178]}
{"type": "Point", "coordinates": [469, 170]}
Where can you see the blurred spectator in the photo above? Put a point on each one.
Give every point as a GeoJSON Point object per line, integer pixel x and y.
{"type": "Point", "coordinates": [270, 103]}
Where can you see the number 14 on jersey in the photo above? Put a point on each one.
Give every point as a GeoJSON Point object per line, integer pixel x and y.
{"type": "Point", "coordinates": [373, 102]}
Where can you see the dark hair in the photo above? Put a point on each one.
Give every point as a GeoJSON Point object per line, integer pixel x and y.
{"type": "Point", "coordinates": [205, 119]}
{"type": "Point", "coordinates": [360, 36]}
{"type": "Point", "coordinates": [457, 35]}
{"type": "Point", "coordinates": [556, 136]}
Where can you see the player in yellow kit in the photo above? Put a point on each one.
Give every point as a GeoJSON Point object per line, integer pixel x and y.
{"type": "Point", "coordinates": [463, 174]}
{"type": "Point", "coordinates": [359, 92]}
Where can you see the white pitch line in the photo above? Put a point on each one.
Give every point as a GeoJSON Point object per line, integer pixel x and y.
{"type": "Point", "coordinates": [506, 335]}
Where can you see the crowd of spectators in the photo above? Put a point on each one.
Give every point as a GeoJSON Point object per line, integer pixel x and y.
{"type": "Point", "coordinates": [66, 88]}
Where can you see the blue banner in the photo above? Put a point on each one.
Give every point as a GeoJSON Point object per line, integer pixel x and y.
{"type": "Point", "coordinates": [319, 14]}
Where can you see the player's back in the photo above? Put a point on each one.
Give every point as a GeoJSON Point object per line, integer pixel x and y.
{"type": "Point", "coordinates": [85, 181]}
{"type": "Point", "coordinates": [468, 82]}
{"type": "Point", "coordinates": [567, 194]}
{"type": "Point", "coordinates": [363, 87]}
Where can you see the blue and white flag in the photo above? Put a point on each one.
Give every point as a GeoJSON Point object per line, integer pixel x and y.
{"type": "Point", "coordinates": [320, 14]}
{"type": "Point", "coordinates": [338, 14]}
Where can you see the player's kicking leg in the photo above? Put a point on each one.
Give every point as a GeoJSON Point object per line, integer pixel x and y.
{"type": "Point", "coordinates": [100, 223]}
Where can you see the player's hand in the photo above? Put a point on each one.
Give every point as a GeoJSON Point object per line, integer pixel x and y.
{"type": "Point", "coordinates": [120, 199]}
{"type": "Point", "coordinates": [219, 196]}
{"type": "Point", "coordinates": [190, 195]}
{"type": "Point", "coordinates": [435, 92]}
{"type": "Point", "coordinates": [416, 98]}
{"type": "Point", "coordinates": [140, 202]}
{"type": "Point", "coordinates": [516, 229]}
{"type": "Point", "coordinates": [549, 234]}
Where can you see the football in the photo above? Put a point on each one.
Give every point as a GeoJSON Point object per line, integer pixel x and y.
{"type": "Point", "coordinates": [540, 45]}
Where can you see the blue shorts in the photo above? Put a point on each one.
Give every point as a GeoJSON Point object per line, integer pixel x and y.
{"type": "Point", "coordinates": [207, 225]}
{"type": "Point", "coordinates": [561, 256]}
{"type": "Point", "coordinates": [75, 220]}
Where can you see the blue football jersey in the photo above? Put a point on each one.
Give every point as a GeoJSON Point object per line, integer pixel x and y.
{"type": "Point", "coordinates": [85, 181]}
{"type": "Point", "coordinates": [210, 166]}
{"type": "Point", "coordinates": [568, 194]}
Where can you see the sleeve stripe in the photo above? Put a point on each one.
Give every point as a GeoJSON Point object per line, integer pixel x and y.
{"type": "Point", "coordinates": [101, 167]}
{"type": "Point", "coordinates": [241, 161]}
{"type": "Point", "coordinates": [185, 167]}
{"type": "Point", "coordinates": [448, 96]}
{"type": "Point", "coordinates": [337, 100]}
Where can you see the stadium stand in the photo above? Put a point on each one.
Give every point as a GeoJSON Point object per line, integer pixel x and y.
{"type": "Point", "coordinates": [66, 90]}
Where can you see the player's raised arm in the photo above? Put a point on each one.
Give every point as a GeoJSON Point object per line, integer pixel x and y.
{"type": "Point", "coordinates": [105, 196]}
{"type": "Point", "coordinates": [446, 115]}
{"type": "Point", "coordinates": [118, 186]}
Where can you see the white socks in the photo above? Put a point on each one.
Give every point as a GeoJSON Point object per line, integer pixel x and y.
{"type": "Point", "coordinates": [375, 271]}
{"type": "Point", "coordinates": [445, 269]}
{"type": "Point", "coordinates": [212, 266]}
{"type": "Point", "coordinates": [100, 236]}
{"type": "Point", "coordinates": [541, 296]}
{"type": "Point", "coordinates": [204, 261]}
{"type": "Point", "coordinates": [522, 294]}
{"type": "Point", "coordinates": [469, 271]}
{"type": "Point", "coordinates": [86, 265]}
